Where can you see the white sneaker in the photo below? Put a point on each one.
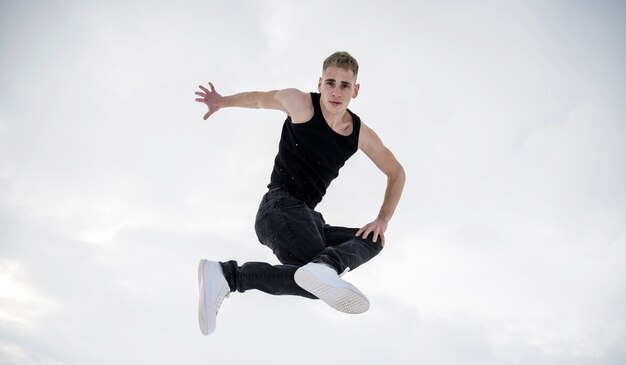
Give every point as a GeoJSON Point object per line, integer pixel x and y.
{"type": "Point", "coordinates": [213, 290]}
{"type": "Point", "coordinates": [323, 282]}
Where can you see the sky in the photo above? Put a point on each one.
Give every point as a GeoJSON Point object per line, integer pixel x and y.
{"type": "Point", "coordinates": [508, 245]}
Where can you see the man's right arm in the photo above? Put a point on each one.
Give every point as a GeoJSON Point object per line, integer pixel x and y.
{"type": "Point", "coordinates": [291, 101]}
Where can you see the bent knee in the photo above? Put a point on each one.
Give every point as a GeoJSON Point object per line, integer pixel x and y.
{"type": "Point", "coordinates": [369, 242]}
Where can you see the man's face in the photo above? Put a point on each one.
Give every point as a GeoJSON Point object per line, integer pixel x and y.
{"type": "Point", "coordinates": [338, 87]}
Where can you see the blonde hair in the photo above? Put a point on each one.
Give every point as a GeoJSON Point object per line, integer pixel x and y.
{"type": "Point", "coordinates": [343, 60]}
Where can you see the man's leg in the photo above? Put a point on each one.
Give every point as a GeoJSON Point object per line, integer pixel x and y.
{"type": "Point", "coordinates": [271, 279]}
{"type": "Point", "coordinates": [344, 251]}
{"type": "Point", "coordinates": [294, 233]}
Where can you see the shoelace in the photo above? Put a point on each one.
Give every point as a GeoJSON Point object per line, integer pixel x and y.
{"type": "Point", "coordinates": [344, 272]}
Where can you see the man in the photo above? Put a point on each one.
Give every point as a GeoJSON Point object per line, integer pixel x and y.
{"type": "Point", "coordinates": [318, 136]}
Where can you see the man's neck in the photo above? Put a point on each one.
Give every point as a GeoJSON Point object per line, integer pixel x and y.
{"type": "Point", "coordinates": [334, 119]}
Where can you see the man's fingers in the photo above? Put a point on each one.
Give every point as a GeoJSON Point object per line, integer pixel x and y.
{"type": "Point", "coordinates": [212, 87]}
{"type": "Point", "coordinates": [366, 232]}
{"type": "Point", "coordinates": [377, 232]}
{"type": "Point", "coordinates": [203, 89]}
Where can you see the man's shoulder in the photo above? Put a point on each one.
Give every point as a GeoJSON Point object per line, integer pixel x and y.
{"type": "Point", "coordinates": [367, 137]}
{"type": "Point", "coordinates": [293, 95]}
{"type": "Point", "coordinates": [299, 104]}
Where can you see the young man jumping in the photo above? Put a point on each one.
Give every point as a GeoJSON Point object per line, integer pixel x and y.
{"type": "Point", "coordinates": [318, 136]}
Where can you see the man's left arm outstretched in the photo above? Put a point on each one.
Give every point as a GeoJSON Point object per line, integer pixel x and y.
{"type": "Point", "coordinates": [383, 158]}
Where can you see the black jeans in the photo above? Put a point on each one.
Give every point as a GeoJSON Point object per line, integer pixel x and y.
{"type": "Point", "coordinates": [297, 235]}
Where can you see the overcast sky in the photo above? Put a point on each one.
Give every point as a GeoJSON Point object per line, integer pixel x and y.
{"type": "Point", "coordinates": [508, 246]}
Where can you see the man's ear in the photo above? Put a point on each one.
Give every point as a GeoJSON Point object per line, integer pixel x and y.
{"type": "Point", "coordinates": [356, 91]}
{"type": "Point", "coordinates": [319, 85]}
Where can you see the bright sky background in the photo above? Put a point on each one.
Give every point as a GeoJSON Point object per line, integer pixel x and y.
{"type": "Point", "coordinates": [508, 246]}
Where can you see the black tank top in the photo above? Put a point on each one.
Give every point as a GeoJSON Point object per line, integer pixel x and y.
{"type": "Point", "coordinates": [310, 155]}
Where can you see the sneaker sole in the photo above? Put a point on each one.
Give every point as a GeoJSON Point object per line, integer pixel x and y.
{"type": "Point", "coordinates": [342, 299]}
{"type": "Point", "coordinates": [202, 320]}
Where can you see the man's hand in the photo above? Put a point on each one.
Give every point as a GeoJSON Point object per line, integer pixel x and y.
{"type": "Point", "coordinates": [210, 98]}
{"type": "Point", "coordinates": [377, 228]}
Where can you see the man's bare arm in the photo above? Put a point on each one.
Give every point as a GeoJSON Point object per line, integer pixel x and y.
{"type": "Point", "coordinates": [289, 101]}
{"type": "Point", "coordinates": [383, 158]}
